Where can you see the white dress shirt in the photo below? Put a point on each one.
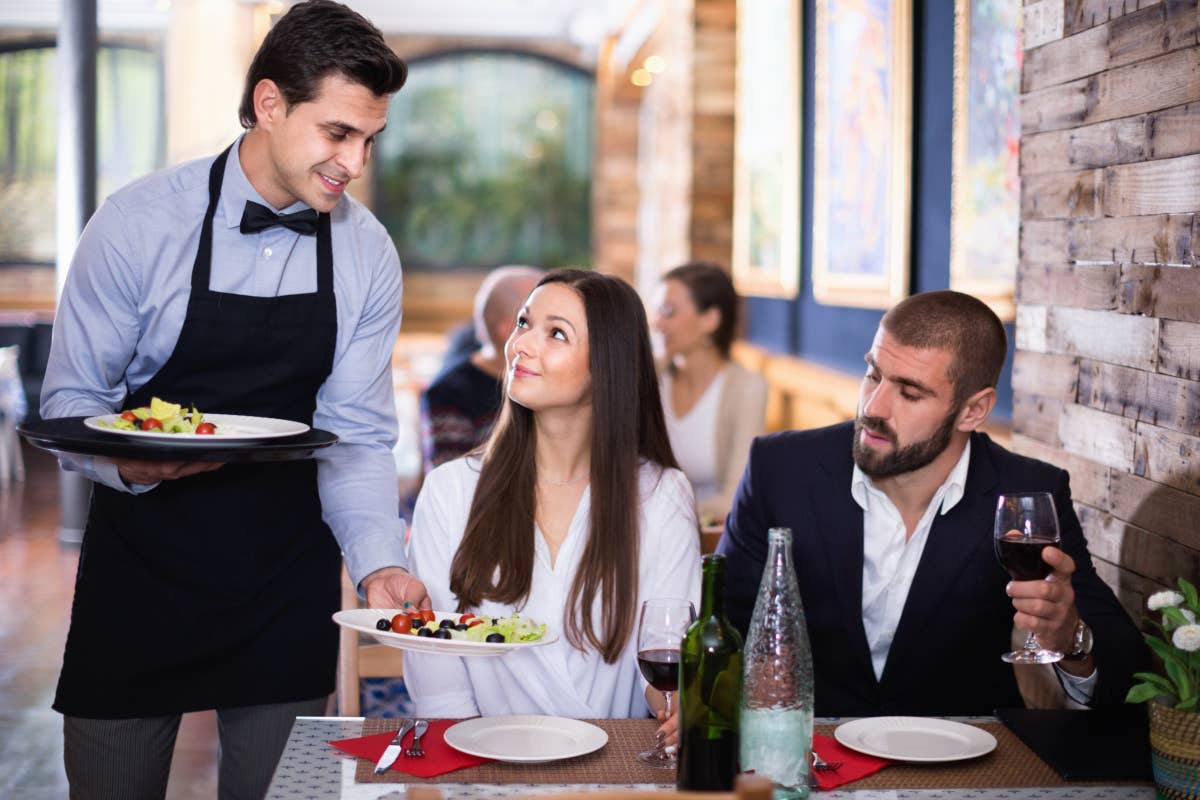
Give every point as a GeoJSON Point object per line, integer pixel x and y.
{"type": "Point", "coordinates": [891, 557]}
{"type": "Point", "coordinates": [556, 679]}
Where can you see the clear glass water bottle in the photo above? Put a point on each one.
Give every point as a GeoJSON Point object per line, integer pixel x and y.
{"type": "Point", "coordinates": [777, 678]}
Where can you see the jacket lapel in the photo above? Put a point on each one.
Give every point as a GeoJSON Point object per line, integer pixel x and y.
{"type": "Point", "coordinates": [954, 539]}
{"type": "Point", "coordinates": [840, 529]}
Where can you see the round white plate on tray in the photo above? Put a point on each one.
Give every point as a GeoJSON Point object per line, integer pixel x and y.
{"type": "Point", "coordinates": [918, 739]}
{"type": "Point", "coordinates": [363, 620]}
{"type": "Point", "coordinates": [526, 739]}
{"type": "Point", "coordinates": [230, 428]}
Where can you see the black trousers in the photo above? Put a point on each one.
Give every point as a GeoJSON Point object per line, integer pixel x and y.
{"type": "Point", "coordinates": [130, 759]}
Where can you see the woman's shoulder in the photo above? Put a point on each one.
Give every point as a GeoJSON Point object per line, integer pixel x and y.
{"type": "Point", "coordinates": [666, 483]}
{"type": "Point", "coordinates": [454, 476]}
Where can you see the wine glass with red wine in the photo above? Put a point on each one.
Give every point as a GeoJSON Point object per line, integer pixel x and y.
{"type": "Point", "coordinates": [1026, 524]}
{"type": "Point", "coordinates": [660, 631]}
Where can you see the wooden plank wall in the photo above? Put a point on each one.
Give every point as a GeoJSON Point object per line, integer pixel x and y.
{"type": "Point", "coordinates": [1107, 372]}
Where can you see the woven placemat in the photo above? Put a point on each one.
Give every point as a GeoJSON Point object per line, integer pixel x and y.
{"type": "Point", "coordinates": [616, 762]}
{"type": "Point", "coordinates": [1011, 764]}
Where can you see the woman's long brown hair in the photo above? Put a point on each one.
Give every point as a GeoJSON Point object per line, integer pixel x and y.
{"type": "Point", "coordinates": [495, 559]}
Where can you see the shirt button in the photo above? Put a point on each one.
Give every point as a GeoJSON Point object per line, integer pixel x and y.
{"type": "Point", "coordinates": [267, 253]}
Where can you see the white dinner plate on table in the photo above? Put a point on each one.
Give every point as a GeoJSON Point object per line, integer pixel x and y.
{"type": "Point", "coordinates": [363, 620]}
{"type": "Point", "coordinates": [922, 739]}
{"type": "Point", "coordinates": [526, 739]}
{"type": "Point", "coordinates": [230, 428]}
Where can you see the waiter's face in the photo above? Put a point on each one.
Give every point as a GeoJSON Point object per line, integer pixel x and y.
{"type": "Point", "coordinates": [317, 148]}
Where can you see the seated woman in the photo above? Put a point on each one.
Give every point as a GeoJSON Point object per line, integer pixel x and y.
{"type": "Point", "coordinates": [714, 408]}
{"type": "Point", "coordinates": [571, 513]}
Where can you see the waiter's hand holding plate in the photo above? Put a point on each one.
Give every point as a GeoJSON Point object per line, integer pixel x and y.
{"type": "Point", "coordinates": [146, 472]}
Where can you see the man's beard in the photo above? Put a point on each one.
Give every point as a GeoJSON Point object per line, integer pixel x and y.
{"type": "Point", "coordinates": [900, 459]}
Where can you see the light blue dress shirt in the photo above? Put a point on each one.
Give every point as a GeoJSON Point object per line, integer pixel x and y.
{"type": "Point", "coordinates": [126, 296]}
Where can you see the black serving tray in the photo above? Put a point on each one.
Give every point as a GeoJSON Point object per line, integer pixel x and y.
{"type": "Point", "coordinates": [70, 435]}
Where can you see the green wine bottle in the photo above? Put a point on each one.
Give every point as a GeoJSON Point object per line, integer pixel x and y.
{"type": "Point", "coordinates": [710, 691]}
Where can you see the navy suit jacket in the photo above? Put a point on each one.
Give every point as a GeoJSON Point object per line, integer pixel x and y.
{"type": "Point", "coordinates": [957, 620]}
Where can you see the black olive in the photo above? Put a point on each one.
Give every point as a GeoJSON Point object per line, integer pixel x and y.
{"type": "Point", "coordinates": [383, 625]}
{"type": "Point", "coordinates": [446, 623]}
{"type": "Point", "coordinates": [462, 626]}
{"type": "Point", "coordinates": [418, 622]}
{"type": "Point", "coordinates": [424, 632]}
{"type": "Point", "coordinates": [442, 633]}
{"type": "Point", "coordinates": [495, 621]}
{"type": "Point", "coordinates": [495, 637]}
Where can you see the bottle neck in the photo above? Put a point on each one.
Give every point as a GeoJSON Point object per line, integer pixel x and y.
{"type": "Point", "coordinates": [712, 594]}
{"type": "Point", "coordinates": [779, 555]}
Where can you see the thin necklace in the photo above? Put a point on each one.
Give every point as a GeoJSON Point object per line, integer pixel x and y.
{"type": "Point", "coordinates": [549, 482]}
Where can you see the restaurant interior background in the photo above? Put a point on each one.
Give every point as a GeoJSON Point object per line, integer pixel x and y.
{"type": "Point", "coordinates": [836, 154]}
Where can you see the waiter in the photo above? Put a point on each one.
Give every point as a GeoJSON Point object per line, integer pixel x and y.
{"type": "Point", "coordinates": [245, 284]}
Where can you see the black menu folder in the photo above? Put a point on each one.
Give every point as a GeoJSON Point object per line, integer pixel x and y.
{"type": "Point", "coordinates": [1096, 745]}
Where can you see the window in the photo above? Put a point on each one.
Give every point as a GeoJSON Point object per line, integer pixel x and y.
{"type": "Point", "coordinates": [487, 160]}
{"type": "Point", "coordinates": [129, 131]}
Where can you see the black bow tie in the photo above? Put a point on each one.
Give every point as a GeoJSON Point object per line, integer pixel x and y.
{"type": "Point", "coordinates": [258, 217]}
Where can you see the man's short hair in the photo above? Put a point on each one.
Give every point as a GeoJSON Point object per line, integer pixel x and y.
{"type": "Point", "coordinates": [314, 40]}
{"type": "Point", "coordinates": [957, 322]}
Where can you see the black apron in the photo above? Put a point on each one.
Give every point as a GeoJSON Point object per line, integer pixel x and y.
{"type": "Point", "coordinates": [216, 590]}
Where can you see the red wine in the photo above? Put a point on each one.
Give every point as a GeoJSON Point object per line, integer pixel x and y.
{"type": "Point", "coordinates": [660, 668]}
{"type": "Point", "coordinates": [1022, 557]}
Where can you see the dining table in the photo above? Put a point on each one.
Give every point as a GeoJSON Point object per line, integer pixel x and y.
{"type": "Point", "coordinates": [312, 769]}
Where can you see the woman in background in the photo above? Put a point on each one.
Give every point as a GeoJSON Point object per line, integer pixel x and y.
{"type": "Point", "coordinates": [572, 513]}
{"type": "Point", "coordinates": [713, 407]}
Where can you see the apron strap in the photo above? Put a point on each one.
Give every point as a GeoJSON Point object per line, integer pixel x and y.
{"type": "Point", "coordinates": [201, 267]}
{"type": "Point", "coordinates": [324, 255]}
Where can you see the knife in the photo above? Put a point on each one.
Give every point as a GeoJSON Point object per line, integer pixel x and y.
{"type": "Point", "coordinates": [393, 750]}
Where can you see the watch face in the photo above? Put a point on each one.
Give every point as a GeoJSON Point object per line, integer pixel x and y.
{"type": "Point", "coordinates": [1083, 639]}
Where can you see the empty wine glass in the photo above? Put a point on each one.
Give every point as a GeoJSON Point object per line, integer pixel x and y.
{"type": "Point", "coordinates": [1026, 524]}
{"type": "Point", "coordinates": [660, 630]}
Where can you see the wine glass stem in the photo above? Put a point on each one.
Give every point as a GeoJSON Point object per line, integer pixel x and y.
{"type": "Point", "coordinates": [662, 740]}
{"type": "Point", "coordinates": [1031, 642]}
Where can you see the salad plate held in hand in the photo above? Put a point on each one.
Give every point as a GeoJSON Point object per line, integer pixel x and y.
{"type": "Point", "coordinates": [518, 633]}
{"type": "Point", "coordinates": [229, 427]}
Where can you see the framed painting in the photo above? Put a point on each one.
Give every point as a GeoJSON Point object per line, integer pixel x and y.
{"type": "Point", "coordinates": [862, 152]}
{"type": "Point", "coordinates": [986, 218]}
{"type": "Point", "coordinates": [766, 228]}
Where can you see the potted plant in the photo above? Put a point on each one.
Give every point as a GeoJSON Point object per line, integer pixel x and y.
{"type": "Point", "coordinates": [1173, 697]}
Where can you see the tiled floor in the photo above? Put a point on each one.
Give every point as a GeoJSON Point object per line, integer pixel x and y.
{"type": "Point", "coordinates": [37, 576]}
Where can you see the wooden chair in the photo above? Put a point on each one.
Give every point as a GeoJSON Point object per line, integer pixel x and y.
{"type": "Point", "coordinates": [358, 659]}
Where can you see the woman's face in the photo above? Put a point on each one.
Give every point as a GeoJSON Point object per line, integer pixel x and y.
{"type": "Point", "coordinates": [683, 327]}
{"type": "Point", "coordinates": [547, 353]}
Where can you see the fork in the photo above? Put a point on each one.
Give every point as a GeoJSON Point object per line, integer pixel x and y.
{"type": "Point", "coordinates": [415, 750]}
{"type": "Point", "coordinates": [821, 765]}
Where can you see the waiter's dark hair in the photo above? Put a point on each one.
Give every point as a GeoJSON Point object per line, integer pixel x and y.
{"type": "Point", "coordinates": [313, 40]}
{"type": "Point", "coordinates": [957, 322]}
{"type": "Point", "coordinates": [495, 558]}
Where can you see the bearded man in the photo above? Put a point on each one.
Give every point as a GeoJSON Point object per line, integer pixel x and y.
{"type": "Point", "coordinates": [908, 609]}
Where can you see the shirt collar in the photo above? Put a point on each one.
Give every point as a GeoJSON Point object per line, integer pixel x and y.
{"type": "Point", "coordinates": [951, 490]}
{"type": "Point", "coordinates": [236, 190]}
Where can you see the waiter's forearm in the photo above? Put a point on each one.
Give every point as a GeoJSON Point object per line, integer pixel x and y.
{"type": "Point", "coordinates": [360, 503]}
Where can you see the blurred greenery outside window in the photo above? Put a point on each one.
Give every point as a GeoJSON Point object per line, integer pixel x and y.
{"type": "Point", "coordinates": [130, 137]}
{"type": "Point", "coordinates": [487, 160]}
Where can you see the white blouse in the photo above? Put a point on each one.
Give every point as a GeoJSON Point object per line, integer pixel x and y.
{"type": "Point", "coordinates": [556, 679]}
{"type": "Point", "coordinates": [694, 435]}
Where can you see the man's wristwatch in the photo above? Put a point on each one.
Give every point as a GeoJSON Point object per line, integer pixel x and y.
{"type": "Point", "coordinates": [1081, 646]}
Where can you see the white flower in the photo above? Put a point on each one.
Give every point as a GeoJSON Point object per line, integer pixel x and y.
{"type": "Point", "coordinates": [1188, 615]}
{"type": "Point", "coordinates": [1164, 599]}
{"type": "Point", "coordinates": [1187, 638]}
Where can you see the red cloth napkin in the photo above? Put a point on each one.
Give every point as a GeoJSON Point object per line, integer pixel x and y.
{"type": "Point", "coordinates": [855, 765]}
{"type": "Point", "coordinates": [439, 759]}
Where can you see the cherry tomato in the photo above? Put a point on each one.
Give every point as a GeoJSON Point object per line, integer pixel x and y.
{"type": "Point", "coordinates": [427, 614]}
{"type": "Point", "coordinates": [151, 424]}
{"type": "Point", "coordinates": [466, 618]}
{"type": "Point", "coordinates": [401, 623]}
{"type": "Point", "coordinates": [474, 622]}
{"type": "Point", "coordinates": [206, 428]}
{"type": "Point", "coordinates": [128, 416]}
